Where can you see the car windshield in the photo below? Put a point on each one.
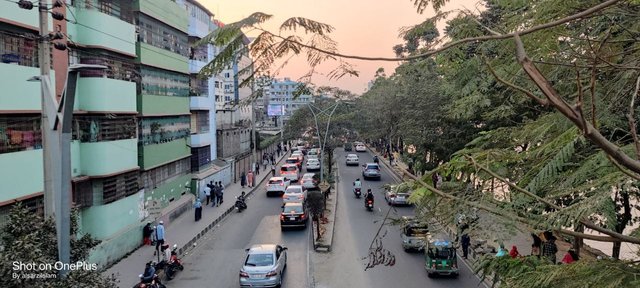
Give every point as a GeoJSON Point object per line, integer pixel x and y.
{"type": "Point", "coordinates": [373, 166]}
{"type": "Point", "coordinates": [288, 168]}
{"type": "Point", "coordinates": [292, 208]}
{"type": "Point", "coordinates": [291, 161]}
{"type": "Point", "coordinates": [312, 161]}
{"type": "Point", "coordinates": [275, 181]}
{"type": "Point", "coordinates": [413, 230]}
{"type": "Point", "coordinates": [294, 190]}
{"type": "Point", "coordinates": [259, 260]}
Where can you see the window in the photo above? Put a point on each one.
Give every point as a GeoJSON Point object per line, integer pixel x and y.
{"type": "Point", "coordinates": [82, 194]}
{"type": "Point", "coordinates": [120, 9]}
{"type": "Point", "coordinates": [157, 130]}
{"type": "Point", "coordinates": [199, 122]}
{"type": "Point", "coordinates": [18, 50]}
{"type": "Point", "coordinates": [200, 158]}
{"type": "Point", "coordinates": [104, 128]}
{"type": "Point", "coordinates": [118, 68]}
{"type": "Point", "coordinates": [158, 34]}
{"type": "Point", "coordinates": [20, 133]}
{"type": "Point", "coordinates": [198, 53]}
{"type": "Point", "coordinates": [165, 173]}
{"type": "Point", "coordinates": [120, 186]}
{"type": "Point", "coordinates": [163, 83]}
{"type": "Point", "coordinates": [198, 87]}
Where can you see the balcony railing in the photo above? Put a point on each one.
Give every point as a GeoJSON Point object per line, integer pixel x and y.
{"type": "Point", "coordinates": [18, 49]}
{"type": "Point", "coordinates": [120, 9]}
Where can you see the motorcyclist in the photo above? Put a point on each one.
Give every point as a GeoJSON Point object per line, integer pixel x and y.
{"type": "Point", "coordinates": [357, 183]}
{"type": "Point", "coordinates": [369, 195]}
{"type": "Point", "coordinates": [242, 199]}
{"type": "Point", "coordinates": [149, 272]}
{"type": "Point", "coordinates": [375, 159]}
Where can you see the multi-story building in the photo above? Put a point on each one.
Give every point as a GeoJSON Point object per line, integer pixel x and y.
{"type": "Point", "coordinates": [281, 93]}
{"type": "Point", "coordinates": [202, 94]}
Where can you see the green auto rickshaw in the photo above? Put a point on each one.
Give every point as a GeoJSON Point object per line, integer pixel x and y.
{"type": "Point", "coordinates": [440, 258]}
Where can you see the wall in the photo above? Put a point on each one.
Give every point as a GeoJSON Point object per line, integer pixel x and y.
{"type": "Point", "coordinates": [125, 33]}
{"type": "Point", "coordinates": [104, 94]}
{"type": "Point", "coordinates": [26, 95]}
{"type": "Point", "coordinates": [172, 189]}
{"type": "Point", "coordinates": [120, 214]}
{"type": "Point", "coordinates": [163, 105]}
{"type": "Point", "coordinates": [159, 154]}
{"type": "Point", "coordinates": [21, 174]}
{"type": "Point", "coordinates": [161, 58]}
{"type": "Point", "coordinates": [166, 11]}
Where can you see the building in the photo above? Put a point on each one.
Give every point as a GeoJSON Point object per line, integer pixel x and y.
{"type": "Point", "coordinates": [282, 93]}
{"type": "Point", "coordinates": [202, 94]}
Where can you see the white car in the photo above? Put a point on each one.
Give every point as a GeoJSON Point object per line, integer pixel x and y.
{"type": "Point", "coordinates": [312, 156]}
{"type": "Point", "coordinates": [352, 159]}
{"type": "Point", "coordinates": [290, 172]}
{"type": "Point", "coordinates": [294, 193]}
{"type": "Point", "coordinates": [361, 148]}
{"type": "Point", "coordinates": [277, 185]}
{"type": "Point", "coordinates": [395, 199]}
{"type": "Point", "coordinates": [309, 181]}
{"type": "Point", "coordinates": [298, 154]}
{"type": "Point", "coordinates": [313, 164]}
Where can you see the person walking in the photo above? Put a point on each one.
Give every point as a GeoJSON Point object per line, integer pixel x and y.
{"type": "Point", "coordinates": [243, 180]}
{"type": "Point", "coordinates": [159, 236]}
{"type": "Point", "coordinates": [250, 179]}
{"type": "Point", "coordinates": [146, 234]}
{"type": "Point", "coordinates": [198, 210]}
{"type": "Point", "coordinates": [214, 194]}
{"type": "Point", "coordinates": [207, 193]}
{"type": "Point", "coordinates": [273, 170]}
{"type": "Point", "coordinates": [514, 253]}
{"type": "Point", "coordinates": [220, 192]}
{"type": "Point", "coordinates": [549, 247]}
{"type": "Point", "coordinates": [273, 159]}
{"type": "Point", "coordinates": [265, 161]}
{"type": "Point", "coordinates": [279, 149]}
{"type": "Point", "coordinates": [257, 165]}
{"type": "Point", "coordinates": [465, 241]}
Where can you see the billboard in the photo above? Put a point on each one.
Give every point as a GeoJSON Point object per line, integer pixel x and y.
{"type": "Point", "coordinates": [275, 110]}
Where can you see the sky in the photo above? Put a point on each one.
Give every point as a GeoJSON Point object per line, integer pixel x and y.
{"type": "Point", "coordinates": [363, 27]}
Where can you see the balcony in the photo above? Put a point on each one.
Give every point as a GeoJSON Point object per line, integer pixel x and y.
{"type": "Point", "coordinates": [103, 158]}
{"type": "Point", "coordinates": [201, 140]}
{"type": "Point", "coordinates": [200, 103]}
{"type": "Point", "coordinates": [104, 94]}
{"type": "Point", "coordinates": [18, 94]}
{"type": "Point", "coordinates": [22, 174]}
{"type": "Point", "coordinates": [167, 11]}
{"type": "Point", "coordinates": [154, 155]}
{"type": "Point", "coordinates": [161, 58]}
{"type": "Point", "coordinates": [155, 105]}
{"type": "Point", "coordinates": [116, 35]}
{"type": "Point", "coordinates": [10, 11]}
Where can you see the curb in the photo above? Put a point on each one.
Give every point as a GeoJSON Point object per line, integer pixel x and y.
{"type": "Point", "coordinates": [326, 248]}
{"type": "Point", "coordinates": [190, 244]}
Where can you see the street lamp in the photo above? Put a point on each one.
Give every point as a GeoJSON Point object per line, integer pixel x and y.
{"type": "Point", "coordinates": [321, 141]}
{"type": "Point", "coordinates": [56, 146]}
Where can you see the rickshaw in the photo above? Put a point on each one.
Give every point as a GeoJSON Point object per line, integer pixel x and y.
{"type": "Point", "coordinates": [414, 234]}
{"type": "Point", "coordinates": [440, 258]}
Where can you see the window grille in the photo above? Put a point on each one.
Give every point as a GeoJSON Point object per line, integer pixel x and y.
{"type": "Point", "coordinates": [120, 186]}
{"type": "Point", "coordinates": [19, 50]}
{"type": "Point", "coordinates": [20, 133]}
{"type": "Point", "coordinates": [104, 128]}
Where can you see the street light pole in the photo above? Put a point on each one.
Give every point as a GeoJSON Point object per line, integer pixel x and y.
{"type": "Point", "coordinates": [322, 141]}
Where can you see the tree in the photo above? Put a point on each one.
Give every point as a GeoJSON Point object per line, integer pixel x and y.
{"type": "Point", "coordinates": [315, 203]}
{"type": "Point", "coordinates": [28, 238]}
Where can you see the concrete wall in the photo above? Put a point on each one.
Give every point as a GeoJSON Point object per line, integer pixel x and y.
{"type": "Point", "coordinates": [18, 93]}
{"type": "Point", "coordinates": [159, 154]}
{"type": "Point", "coordinates": [125, 33]}
{"type": "Point", "coordinates": [163, 105]}
{"type": "Point", "coordinates": [104, 94]}
{"type": "Point", "coordinates": [166, 11]}
{"type": "Point", "coordinates": [21, 174]}
{"type": "Point", "coordinates": [161, 58]}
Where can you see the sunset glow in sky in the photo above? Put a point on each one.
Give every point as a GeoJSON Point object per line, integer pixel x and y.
{"type": "Point", "coordinates": [363, 27]}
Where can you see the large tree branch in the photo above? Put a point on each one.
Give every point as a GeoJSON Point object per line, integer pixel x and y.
{"type": "Point", "coordinates": [632, 121]}
{"type": "Point", "coordinates": [541, 101]}
{"type": "Point", "coordinates": [590, 132]}
{"type": "Point", "coordinates": [449, 45]}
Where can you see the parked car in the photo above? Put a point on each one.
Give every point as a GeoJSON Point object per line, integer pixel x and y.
{"type": "Point", "coordinates": [294, 193]}
{"type": "Point", "coordinates": [414, 234]}
{"type": "Point", "coordinates": [290, 172]}
{"type": "Point", "coordinates": [263, 266]}
{"type": "Point", "coordinates": [361, 148]}
{"type": "Point", "coordinates": [277, 185]}
{"type": "Point", "coordinates": [294, 160]}
{"type": "Point", "coordinates": [353, 159]}
{"type": "Point", "coordinates": [370, 170]}
{"type": "Point", "coordinates": [395, 199]}
{"type": "Point", "coordinates": [313, 164]}
{"type": "Point", "coordinates": [294, 214]}
{"type": "Point", "coordinates": [309, 181]}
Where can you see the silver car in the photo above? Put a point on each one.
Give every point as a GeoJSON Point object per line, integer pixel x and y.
{"type": "Point", "coordinates": [370, 170]}
{"type": "Point", "coordinates": [263, 266]}
{"type": "Point", "coordinates": [394, 198]}
{"type": "Point", "coordinates": [352, 159]}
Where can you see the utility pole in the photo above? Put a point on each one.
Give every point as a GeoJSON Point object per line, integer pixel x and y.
{"type": "Point", "coordinates": [322, 141]}
{"type": "Point", "coordinates": [48, 139]}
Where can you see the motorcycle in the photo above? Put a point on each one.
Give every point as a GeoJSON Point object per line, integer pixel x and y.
{"type": "Point", "coordinates": [240, 204]}
{"type": "Point", "coordinates": [174, 264]}
{"type": "Point", "coordinates": [153, 283]}
{"type": "Point", "coordinates": [375, 159]}
{"type": "Point", "coordinates": [357, 191]}
{"type": "Point", "coordinates": [368, 204]}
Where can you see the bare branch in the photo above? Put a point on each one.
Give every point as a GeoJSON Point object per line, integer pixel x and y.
{"type": "Point", "coordinates": [529, 94]}
{"type": "Point", "coordinates": [578, 107]}
{"type": "Point", "coordinates": [624, 170]}
{"type": "Point", "coordinates": [632, 120]}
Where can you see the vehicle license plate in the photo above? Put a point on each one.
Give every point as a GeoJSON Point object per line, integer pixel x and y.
{"type": "Point", "coordinates": [257, 276]}
{"type": "Point", "coordinates": [292, 218]}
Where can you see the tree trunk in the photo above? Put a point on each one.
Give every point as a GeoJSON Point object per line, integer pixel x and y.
{"type": "Point", "coordinates": [317, 228]}
{"type": "Point", "coordinates": [616, 250]}
{"type": "Point", "coordinates": [577, 241]}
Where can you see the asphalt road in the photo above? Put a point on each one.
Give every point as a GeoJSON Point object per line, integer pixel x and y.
{"type": "Point", "coordinates": [216, 261]}
{"type": "Point", "coordinates": [354, 231]}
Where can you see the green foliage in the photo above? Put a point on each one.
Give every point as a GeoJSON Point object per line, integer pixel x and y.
{"type": "Point", "coordinates": [28, 238]}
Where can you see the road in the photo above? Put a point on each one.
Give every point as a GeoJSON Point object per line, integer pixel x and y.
{"type": "Point", "coordinates": [216, 261]}
{"type": "Point", "coordinates": [354, 231]}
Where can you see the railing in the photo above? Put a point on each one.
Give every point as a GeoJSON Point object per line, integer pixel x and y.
{"type": "Point", "coordinates": [18, 49]}
{"type": "Point", "coordinates": [120, 9]}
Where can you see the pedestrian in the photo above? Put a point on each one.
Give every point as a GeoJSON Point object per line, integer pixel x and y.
{"type": "Point", "coordinates": [279, 149]}
{"type": "Point", "coordinates": [250, 179]}
{"type": "Point", "coordinates": [257, 168]}
{"type": "Point", "coordinates": [535, 246]}
{"type": "Point", "coordinates": [214, 194]}
{"type": "Point", "coordinates": [501, 251]}
{"type": "Point", "coordinates": [549, 247]}
{"type": "Point", "coordinates": [159, 236]}
{"type": "Point", "coordinates": [198, 206]}
{"type": "Point", "coordinates": [207, 193]}
{"type": "Point", "coordinates": [434, 179]}
{"type": "Point", "coordinates": [220, 192]}
{"type": "Point", "coordinates": [514, 252]}
{"type": "Point", "coordinates": [146, 234]}
{"type": "Point", "coordinates": [570, 257]}
{"type": "Point", "coordinates": [273, 170]}
{"type": "Point", "coordinates": [265, 161]}
{"type": "Point", "coordinates": [273, 159]}
{"type": "Point", "coordinates": [465, 241]}
{"type": "Point", "coordinates": [390, 159]}
{"type": "Point", "coordinates": [243, 180]}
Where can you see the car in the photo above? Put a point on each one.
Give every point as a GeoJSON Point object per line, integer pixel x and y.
{"type": "Point", "coordinates": [348, 146]}
{"type": "Point", "coordinates": [290, 172]}
{"type": "Point", "coordinates": [298, 155]}
{"type": "Point", "coordinates": [263, 266]}
{"type": "Point", "coordinates": [294, 193]}
{"type": "Point", "coordinates": [395, 199]}
{"type": "Point", "coordinates": [314, 156]}
{"type": "Point", "coordinates": [361, 148]}
{"type": "Point", "coordinates": [277, 185]}
{"type": "Point", "coordinates": [352, 159]}
{"type": "Point", "coordinates": [313, 164]}
{"type": "Point", "coordinates": [294, 160]}
{"type": "Point", "coordinates": [414, 233]}
{"type": "Point", "coordinates": [371, 170]}
{"type": "Point", "coordinates": [309, 181]}
{"type": "Point", "coordinates": [294, 214]}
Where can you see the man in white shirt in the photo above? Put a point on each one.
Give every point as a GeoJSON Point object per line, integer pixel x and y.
{"type": "Point", "coordinates": [207, 193]}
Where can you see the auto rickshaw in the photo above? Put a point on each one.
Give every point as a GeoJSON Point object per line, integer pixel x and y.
{"type": "Point", "coordinates": [440, 258]}
{"type": "Point", "coordinates": [414, 234]}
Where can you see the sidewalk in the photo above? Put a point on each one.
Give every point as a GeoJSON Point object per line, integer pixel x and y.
{"type": "Point", "coordinates": [184, 231]}
{"type": "Point", "coordinates": [521, 240]}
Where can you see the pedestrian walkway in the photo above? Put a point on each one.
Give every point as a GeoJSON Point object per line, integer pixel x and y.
{"type": "Point", "coordinates": [183, 231]}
